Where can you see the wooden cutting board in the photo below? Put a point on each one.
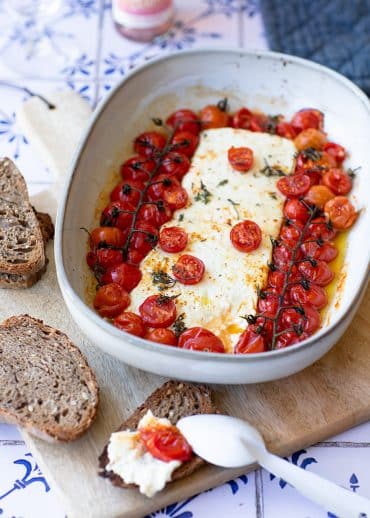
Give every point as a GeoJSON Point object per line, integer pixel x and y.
{"type": "Point", "coordinates": [330, 396]}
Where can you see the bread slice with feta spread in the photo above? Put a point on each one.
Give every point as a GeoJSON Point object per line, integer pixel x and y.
{"type": "Point", "coordinates": [172, 401]}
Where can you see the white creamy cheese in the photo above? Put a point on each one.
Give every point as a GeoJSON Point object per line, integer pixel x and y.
{"type": "Point", "coordinates": [129, 459]}
{"type": "Point", "coordinates": [228, 289]}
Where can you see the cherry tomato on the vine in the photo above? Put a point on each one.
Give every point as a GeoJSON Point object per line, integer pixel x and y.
{"type": "Point", "coordinates": [250, 342]}
{"type": "Point", "coordinates": [149, 143]}
{"type": "Point", "coordinates": [185, 143]}
{"type": "Point", "coordinates": [184, 120]}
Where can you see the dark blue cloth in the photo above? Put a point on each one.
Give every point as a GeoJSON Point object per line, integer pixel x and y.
{"type": "Point", "coordinates": [335, 33]}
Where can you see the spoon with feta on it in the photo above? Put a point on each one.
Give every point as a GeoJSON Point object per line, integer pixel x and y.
{"type": "Point", "coordinates": [230, 442]}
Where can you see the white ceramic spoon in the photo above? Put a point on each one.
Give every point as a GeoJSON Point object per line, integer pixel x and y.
{"type": "Point", "coordinates": [230, 442]}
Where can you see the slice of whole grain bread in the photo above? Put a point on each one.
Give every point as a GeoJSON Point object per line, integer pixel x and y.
{"type": "Point", "coordinates": [172, 400]}
{"type": "Point", "coordinates": [21, 241]}
{"type": "Point", "coordinates": [46, 385]}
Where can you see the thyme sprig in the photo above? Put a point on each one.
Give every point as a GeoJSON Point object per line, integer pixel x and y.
{"type": "Point", "coordinates": [235, 207]}
{"type": "Point", "coordinates": [179, 325]}
{"type": "Point", "coordinates": [203, 195]}
{"type": "Point", "coordinates": [162, 280]}
{"type": "Point", "coordinates": [270, 170]}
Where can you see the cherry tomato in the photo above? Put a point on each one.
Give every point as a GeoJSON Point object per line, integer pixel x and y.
{"type": "Point", "coordinates": [282, 256]}
{"type": "Point", "coordinates": [184, 120]}
{"type": "Point", "coordinates": [109, 235]}
{"type": "Point", "coordinates": [309, 321]}
{"type": "Point", "coordinates": [323, 252]}
{"type": "Point", "coordinates": [149, 143]}
{"type": "Point", "coordinates": [319, 274]}
{"type": "Point", "coordinates": [307, 118]}
{"type": "Point", "coordinates": [314, 162]}
{"type": "Point", "coordinates": [91, 259]}
{"type": "Point", "coordinates": [131, 323]}
{"type": "Point", "coordinates": [242, 119]}
{"type": "Point", "coordinates": [158, 311]}
{"type": "Point", "coordinates": [144, 238]}
{"type": "Point", "coordinates": [169, 190]}
{"type": "Point", "coordinates": [155, 214]}
{"type": "Point", "coordinates": [209, 344]}
{"type": "Point", "coordinates": [335, 150]}
{"type": "Point", "coordinates": [294, 185]}
{"type": "Point", "coordinates": [240, 158]}
{"type": "Point", "coordinates": [318, 195]}
{"type": "Point", "coordinates": [249, 342]}
{"type": "Point", "coordinates": [258, 122]}
{"type": "Point", "coordinates": [137, 168]}
{"type": "Point", "coordinates": [188, 269]}
{"type": "Point", "coordinates": [268, 303]}
{"type": "Point", "coordinates": [134, 257]}
{"type": "Point", "coordinates": [118, 214]}
{"type": "Point", "coordinates": [127, 191]}
{"type": "Point", "coordinates": [246, 236]}
{"type": "Point", "coordinates": [166, 443]}
{"type": "Point", "coordinates": [276, 279]}
{"type": "Point", "coordinates": [175, 197]}
{"type": "Point", "coordinates": [185, 143]}
{"type": "Point", "coordinates": [212, 117]}
{"type": "Point", "coordinates": [285, 129]}
{"type": "Point", "coordinates": [286, 339]}
{"type": "Point", "coordinates": [110, 300]}
{"type": "Point", "coordinates": [295, 209]}
{"type": "Point", "coordinates": [314, 295]}
{"type": "Point", "coordinates": [319, 228]}
{"type": "Point", "coordinates": [173, 239]}
{"type": "Point", "coordinates": [107, 257]}
{"type": "Point", "coordinates": [175, 164]}
{"type": "Point", "coordinates": [193, 332]}
{"type": "Point", "coordinates": [162, 336]}
{"type": "Point", "coordinates": [159, 184]}
{"type": "Point", "coordinates": [310, 138]}
{"type": "Point", "coordinates": [290, 234]}
{"type": "Point", "coordinates": [340, 212]}
{"type": "Point", "coordinates": [126, 275]}
{"type": "Point", "coordinates": [337, 181]}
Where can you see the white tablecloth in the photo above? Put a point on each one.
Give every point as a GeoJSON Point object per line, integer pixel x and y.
{"type": "Point", "coordinates": [101, 57]}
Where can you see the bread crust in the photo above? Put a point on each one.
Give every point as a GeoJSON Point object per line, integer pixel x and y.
{"type": "Point", "coordinates": [19, 325]}
{"type": "Point", "coordinates": [203, 404]}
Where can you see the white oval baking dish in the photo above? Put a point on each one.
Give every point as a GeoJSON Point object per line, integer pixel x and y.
{"type": "Point", "coordinates": [271, 82]}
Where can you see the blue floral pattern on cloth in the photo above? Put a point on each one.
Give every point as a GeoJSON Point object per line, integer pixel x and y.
{"type": "Point", "coordinates": [101, 58]}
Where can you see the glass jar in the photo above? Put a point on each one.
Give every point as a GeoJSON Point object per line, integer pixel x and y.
{"type": "Point", "coordinates": [142, 20]}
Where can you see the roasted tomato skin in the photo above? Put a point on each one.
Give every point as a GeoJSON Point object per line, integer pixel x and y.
{"type": "Point", "coordinates": [250, 342]}
{"type": "Point", "coordinates": [340, 212]}
{"type": "Point", "coordinates": [173, 239]}
{"type": "Point", "coordinates": [110, 300]}
{"type": "Point", "coordinates": [184, 120]}
{"type": "Point", "coordinates": [149, 143]}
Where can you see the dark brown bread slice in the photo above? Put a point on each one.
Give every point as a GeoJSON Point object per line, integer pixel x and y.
{"type": "Point", "coordinates": [46, 385]}
{"type": "Point", "coordinates": [172, 400]}
{"type": "Point", "coordinates": [46, 225]}
{"type": "Point", "coordinates": [21, 242]}
{"type": "Point", "coordinates": [14, 281]}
